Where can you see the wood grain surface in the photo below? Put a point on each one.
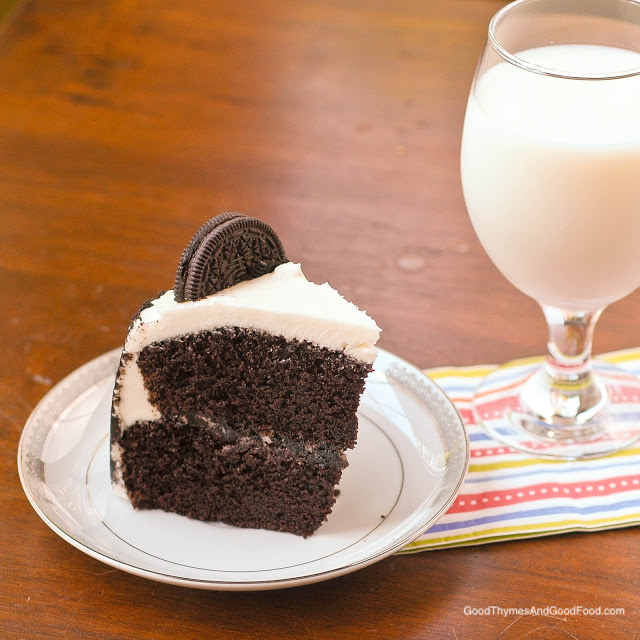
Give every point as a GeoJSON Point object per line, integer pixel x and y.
{"type": "Point", "coordinates": [124, 124]}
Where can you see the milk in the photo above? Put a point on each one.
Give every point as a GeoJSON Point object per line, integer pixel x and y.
{"type": "Point", "coordinates": [551, 175]}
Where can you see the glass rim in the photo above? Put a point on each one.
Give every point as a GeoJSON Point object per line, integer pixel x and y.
{"type": "Point", "coordinates": [540, 69]}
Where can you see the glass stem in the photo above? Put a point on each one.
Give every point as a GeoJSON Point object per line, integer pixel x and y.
{"type": "Point", "coordinates": [574, 394]}
{"type": "Point", "coordinates": [569, 344]}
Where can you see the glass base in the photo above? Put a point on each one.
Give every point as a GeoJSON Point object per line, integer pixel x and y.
{"type": "Point", "coordinates": [500, 406]}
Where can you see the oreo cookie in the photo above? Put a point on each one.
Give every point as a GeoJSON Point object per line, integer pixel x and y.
{"type": "Point", "coordinates": [226, 250]}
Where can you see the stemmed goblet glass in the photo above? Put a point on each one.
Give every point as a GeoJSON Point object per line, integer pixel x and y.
{"type": "Point", "coordinates": [550, 165]}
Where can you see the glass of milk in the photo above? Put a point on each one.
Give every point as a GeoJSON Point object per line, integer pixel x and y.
{"type": "Point", "coordinates": [550, 166]}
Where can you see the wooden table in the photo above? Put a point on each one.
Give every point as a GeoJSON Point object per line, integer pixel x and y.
{"type": "Point", "coordinates": [124, 124]}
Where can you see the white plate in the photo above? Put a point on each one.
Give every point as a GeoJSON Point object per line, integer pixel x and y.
{"type": "Point", "coordinates": [406, 469]}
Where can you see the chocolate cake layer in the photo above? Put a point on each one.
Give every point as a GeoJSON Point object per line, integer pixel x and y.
{"type": "Point", "coordinates": [258, 380]}
{"type": "Point", "coordinates": [207, 471]}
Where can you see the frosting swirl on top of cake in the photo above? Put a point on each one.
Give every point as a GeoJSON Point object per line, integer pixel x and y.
{"type": "Point", "coordinates": [282, 302]}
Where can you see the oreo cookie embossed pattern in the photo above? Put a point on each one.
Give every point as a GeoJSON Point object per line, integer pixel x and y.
{"type": "Point", "coordinates": [226, 250]}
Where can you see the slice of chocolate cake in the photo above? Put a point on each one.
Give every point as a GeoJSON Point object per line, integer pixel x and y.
{"type": "Point", "coordinates": [236, 395]}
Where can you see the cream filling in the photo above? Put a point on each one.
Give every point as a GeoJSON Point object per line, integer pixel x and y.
{"type": "Point", "coordinates": [283, 302]}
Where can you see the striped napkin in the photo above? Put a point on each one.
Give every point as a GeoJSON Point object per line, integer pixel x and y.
{"type": "Point", "coordinates": [509, 494]}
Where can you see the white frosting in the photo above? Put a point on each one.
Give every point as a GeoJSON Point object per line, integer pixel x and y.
{"type": "Point", "coordinates": [283, 302]}
{"type": "Point", "coordinates": [134, 404]}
